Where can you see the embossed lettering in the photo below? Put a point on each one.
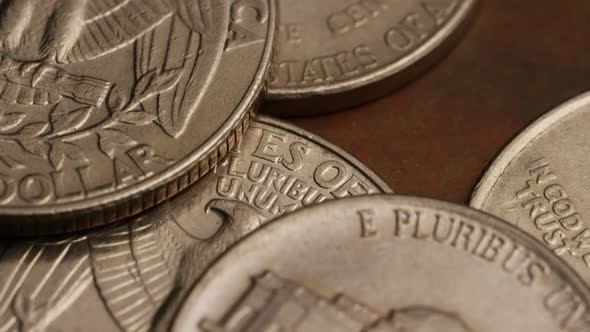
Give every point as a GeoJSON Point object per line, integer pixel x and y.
{"type": "Point", "coordinates": [125, 172]}
{"type": "Point", "coordinates": [438, 233]}
{"type": "Point", "coordinates": [35, 188]}
{"type": "Point", "coordinates": [553, 212]}
{"type": "Point", "coordinates": [328, 68]}
{"type": "Point", "coordinates": [330, 174]}
{"type": "Point", "coordinates": [368, 223]}
{"type": "Point", "coordinates": [568, 308]}
{"type": "Point", "coordinates": [268, 146]}
{"type": "Point", "coordinates": [492, 248]}
{"type": "Point", "coordinates": [470, 238]}
{"type": "Point", "coordinates": [463, 236]}
{"type": "Point", "coordinates": [541, 171]}
{"type": "Point", "coordinates": [439, 11]}
{"type": "Point", "coordinates": [414, 28]}
{"type": "Point", "coordinates": [148, 160]}
{"type": "Point", "coordinates": [247, 17]}
{"type": "Point", "coordinates": [69, 183]}
{"type": "Point", "coordinates": [355, 15]}
{"type": "Point", "coordinates": [7, 188]}
{"type": "Point", "coordinates": [297, 151]}
{"type": "Point", "coordinates": [291, 33]}
{"type": "Point", "coordinates": [353, 187]}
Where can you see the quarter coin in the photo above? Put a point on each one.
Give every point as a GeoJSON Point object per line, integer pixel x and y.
{"type": "Point", "coordinates": [388, 263]}
{"type": "Point", "coordinates": [110, 107]}
{"type": "Point", "coordinates": [333, 54]}
{"type": "Point", "coordinates": [133, 276]}
{"type": "Point", "coordinates": [540, 183]}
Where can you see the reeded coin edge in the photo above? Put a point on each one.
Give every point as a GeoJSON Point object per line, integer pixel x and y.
{"type": "Point", "coordinates": [563, 270]}
{"type": "Point", "coordinates": [436, 41]}
{"type": "Point", "coordinates": [102, 210]}
{"type": "Point", "coordinates": [53, 224]}
{"type": "Point", "coordinates": [330, 147]}
{"type": "Point", "coordinates": [496, 169]}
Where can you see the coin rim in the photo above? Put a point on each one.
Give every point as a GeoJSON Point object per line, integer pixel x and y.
{"type": "Point", "coordinates": [563, 270]}
{"type": "Point", "coordinates": [330, 147]}
{"type": "Point", "coordinates": [496, 169]}
{"type": "Point", "coordinates": [327, 146]}
{"type": "Point", "coordinates": [436, 41]}
{"type": "Point", "coordinates": [110, 207]}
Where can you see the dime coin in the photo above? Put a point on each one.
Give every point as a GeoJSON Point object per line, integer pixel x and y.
{"type": "Point", "coordinates": [539, 183]}
{"type": "Point", "coordinates": [339, 53]}
{"type": "Point", "coordinates": [387, 263]}
{"type": "Point", "coordinates": [133, 276]}
{"type": "Point", "coordinates": [110, 107]}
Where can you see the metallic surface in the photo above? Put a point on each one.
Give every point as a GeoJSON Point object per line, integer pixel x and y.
{"type": "Point", "coordinates": [540, 183]}
{"type": "Point", "coordinates": [133, 275]}
{"type": "Point", "coordinates": [387, 263]}
{"type": "Point", "coordinates": [329, 48]}
{"type": "Point", "coordinates": [108, 108]}
{"type": "Point", "coordinates": [435, 137]}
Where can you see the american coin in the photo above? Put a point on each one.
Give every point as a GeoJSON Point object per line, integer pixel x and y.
{"type": "Point", "coordinates": [133, 276]}
{"type": "Point", "coordinates": [110, 107]}
{"type": "Point", "coordinates": [387, 263]}
{"type": "Point", "coordinates": [339, 53]}
{"type": "Point", "coordinates": [539, 182]}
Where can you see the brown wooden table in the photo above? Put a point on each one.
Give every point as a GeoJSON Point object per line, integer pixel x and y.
{"type": "Point", "coordinates": [436, 136]}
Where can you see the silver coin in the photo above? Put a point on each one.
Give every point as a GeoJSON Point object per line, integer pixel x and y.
{"type": "Point", "coordinates": [133, 276]}
{"type": "Point", "coordinates": [108, 107]}
{"type": "Point", "coordinates": [333, 52]}
{"type": "Point", "coordinates": [540, 183]}
{"type": "Point", "coordinates": [387, 263]}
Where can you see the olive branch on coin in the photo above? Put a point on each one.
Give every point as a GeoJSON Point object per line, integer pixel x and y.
{"type": "Point", "coordinates": [53, 140]}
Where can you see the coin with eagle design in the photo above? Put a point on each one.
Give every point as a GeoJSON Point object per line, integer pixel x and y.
{"type": "Point", "coordinates": [108, 107]}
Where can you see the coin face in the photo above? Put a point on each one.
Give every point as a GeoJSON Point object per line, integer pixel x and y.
{"type": "Point", "coordinates": [133, 276]}
{"type": "Point", "coordinates": [333, 47]}
{"type": "Point", "coordinates": [539, 183]}
{"type": "Point", "coordinates": [387, 263]}
{"type": "Point", "coordinates": [109, 107]}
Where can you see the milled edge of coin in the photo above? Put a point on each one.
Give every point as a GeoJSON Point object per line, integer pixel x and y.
{"type": "Point", "coordinates": [435, 42]}
{"type": "Point", "coordinates": [328, 146]}
{"type": "Point", "coordinates": [73, 217]}
{"type": "Point", "coordinates": [564, 271]}
{"type": "Point", "coordinates": [496, 169]}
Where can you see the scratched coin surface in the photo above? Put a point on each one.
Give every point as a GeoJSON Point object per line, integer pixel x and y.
{"type": "Point", "coordinates": [110, 107]}
{"type": "Point", "coordinates": [540, 183]}
{"type": "Point", "coordinates": [335, 52]}
{"type": "Point", "coordinates": [133, 276]}
{"type": "Point", "coordinates": [387, 263]}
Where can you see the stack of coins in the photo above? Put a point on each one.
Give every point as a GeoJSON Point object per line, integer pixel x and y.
{"type": "Point", "coordinates": [140, 190]}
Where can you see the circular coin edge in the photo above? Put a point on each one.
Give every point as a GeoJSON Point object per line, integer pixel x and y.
{"type": "Point", "coordinates": [438, 40]}
{"type": "Point", "coordinates": [493, 173]}
{"type": "Point", "coordinates": [331, 147]}
{"type": "Point", "coordinates": [564, 271]}
{"type": "Point", "coordinates": [98, 211]}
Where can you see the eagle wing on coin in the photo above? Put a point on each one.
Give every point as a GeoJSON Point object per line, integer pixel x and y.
{"type": "Point", "coordinates": [79, 31]}
{"type": "Point", "coordinates": [39, 281]}
{"type": "Point", "coordinates": [134, 268]}
{"type": "Point", "coordinates": [130, 266]}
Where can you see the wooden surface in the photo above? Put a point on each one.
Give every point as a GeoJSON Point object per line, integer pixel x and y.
{"type": "Point", "coordinates": [435, 136]}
